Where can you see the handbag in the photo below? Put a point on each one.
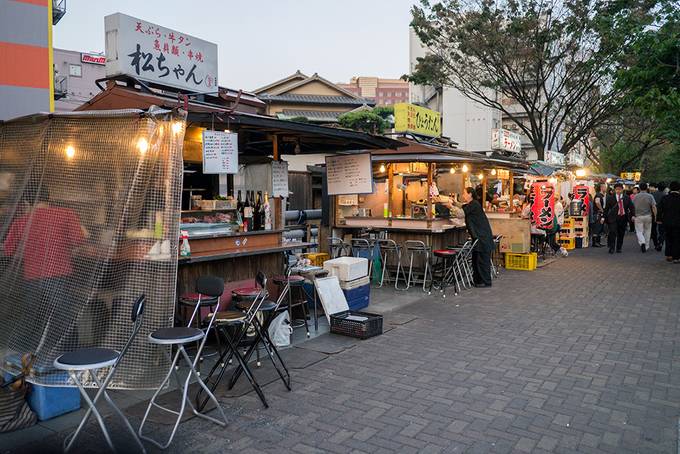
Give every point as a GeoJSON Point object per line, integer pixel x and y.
{"type": "Point", "coordinates": [15, 413]}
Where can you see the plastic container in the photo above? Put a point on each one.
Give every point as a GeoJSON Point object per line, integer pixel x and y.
{"type": "Point", "coordinates": [358, 297]}
{"type": "Point", "coordinates": [567, 243]}
{"type": "Point", "coordinates": [347, 268]}
{"type": "Point", "coordinates": [361, 329]}
{"type": "Point", "coordinates": [317, 258]}
{"type": "Point", "coordinates": [349, 285]}
{"type": "Point", "coordinates": [521, 262]}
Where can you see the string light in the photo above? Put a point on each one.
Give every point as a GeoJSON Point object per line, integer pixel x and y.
{"type": "Point", "coordinates": [481, 176]}
{"type": "Point", "coordinates": [609, 180]}
{"type": "Point", "coordinates": [142, 145]}
{"type": "Point", "coordinates": [382, 168]}
{"type": "Point", "coordinates": [493, 171]}
{"type": "Point", "coordinates": [452, 170]}
{"type": "Point", "coordinates": [465, 168]}
{"type": "Point", "coordinates": [176, 127]}
{"type": "Point", "coordinates": [70, 152]}
{"type": "Point", "coordinates": [580, 172]}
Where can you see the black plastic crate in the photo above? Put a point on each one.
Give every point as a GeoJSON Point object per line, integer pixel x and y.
{"type": "Point", "coordinates": [372, 326]}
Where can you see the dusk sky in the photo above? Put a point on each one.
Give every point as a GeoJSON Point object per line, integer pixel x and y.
{"type": "Point", "coordinates": [260, 41]}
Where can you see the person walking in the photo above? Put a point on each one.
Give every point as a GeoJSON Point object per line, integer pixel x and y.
{"type": "Point", "coordinates": [669, 216]}
{"type": "Point", "coordinates": [660, 237]}
{"type": "Point", "coordinates": [597, 208]}
{"type": "Point", "coordinates": [619, 210]}
{"type": "Point", "coordinates": [645, 210]}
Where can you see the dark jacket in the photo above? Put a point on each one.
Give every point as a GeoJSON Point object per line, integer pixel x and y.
{"type": "Point", "coordinates": [669, 210]}
{"type": "Point", "coordinates": [611, 211]}
{"type": "Point", "coordinates": [477, 224]}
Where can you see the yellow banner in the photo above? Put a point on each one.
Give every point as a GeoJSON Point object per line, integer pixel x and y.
{"type": "Point", "coordinates": [417, 120]}
{"type": "Point", "coordinates": [635, 176]}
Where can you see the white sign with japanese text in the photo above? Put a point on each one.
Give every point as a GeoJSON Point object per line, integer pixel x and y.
{"type": "Point", "coordinates": [349, 174]}
{"type": "Point", "coordinates": [279, 179]}
{"type": "Point", "coordinates": [554, 158]}
{"type": "Point", "coordinates": [502, 139]}
{"type": "Point", "coordinates": [220, 152]}
{"type": "Point", "coordinates": [159, 55]}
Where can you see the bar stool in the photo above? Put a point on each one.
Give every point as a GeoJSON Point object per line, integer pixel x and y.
{"type": "Point", "coordinates": [463, 264]}
{"type": "Point", "coordinates": [337, 247]}
{"type": "Point", "coordinates": [390, 250]}
{"type": "Point", "coordinates": [362, 247]}
{"type": "Point", "coordinates": [187, 303]}
{"type": "Point", "coordinates": [291, 283]}
{"type": "Point", "coordinates": [418, 248]}
{"type": "Point", "coordinates": [243, 297]}
{"type": "Point", "coordinates": [495, 257]}
{"type": "Point", "coordinates": [447, 272]}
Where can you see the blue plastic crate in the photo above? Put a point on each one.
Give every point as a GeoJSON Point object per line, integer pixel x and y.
{"type": "Point", "coordinates": [48, 401]}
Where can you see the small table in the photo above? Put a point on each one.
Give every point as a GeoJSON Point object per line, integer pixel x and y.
{"type": "Point", "coordinates": [310, 273]}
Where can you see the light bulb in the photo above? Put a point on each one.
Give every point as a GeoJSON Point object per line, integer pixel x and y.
{"type": "Point", "coordinates": [465, 168]}
{"type": "Point", "coordinates": [493, 171]}
{"type": "Point", "coordinates": [452, 170]}
{"type": "Point", "coordinates": [227, 130]}
{"type": "Point", "coordinates": [70, 152]}
{"type": "Point", "coordinates": [580, 172]}
{"type": "Point", "coordinates": [142, 145]}
{"type": "Point", "coordinates": [382, 168]}
{"type": "Point", "coordinates": [609, 180]}
{"type": "Point", "coordinates": [481, 176]}
{"type": "Point", "coordinates": [176, 127]}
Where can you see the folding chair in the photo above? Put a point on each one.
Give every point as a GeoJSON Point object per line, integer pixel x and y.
{"type": "Point", "coordinates": [91, 361]}
{"type": "Point", "coordinates": [180, 336]}
{"type": "Point", "coordinates": [238, 323]}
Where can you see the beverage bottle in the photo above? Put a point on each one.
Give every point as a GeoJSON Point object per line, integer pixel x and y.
{"type": "Point", "coordinates": [267, 213]}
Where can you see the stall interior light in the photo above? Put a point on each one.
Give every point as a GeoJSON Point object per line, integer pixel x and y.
{"type": "Point", "coordinates": [227, 130]}
{"type": "Point", "coordinates": [609, 180]}
{"type": "Point", "coordinates": [382, 168]}
{"type": "Point", "coordinates": [452, 170]}
{"type": "Point", "coordinates": [70, 152]}
{"type": "Point", "coordinates": [176, 127]}
{"type": "Point", "coordinates": [580, 172]}
{"type": "Point", "coordinates": [481, 176]}
{"type": "Point", "coordinates": [142, 145]}
{"type": "Point", "coordinates": [493, 171]}
{"type": "Point", "coordinates": [465, 168]}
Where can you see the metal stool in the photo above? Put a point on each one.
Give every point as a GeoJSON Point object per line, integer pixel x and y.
{"type": "Point", "coordinates": [294, 282]}
{"type": "Point", "coordinates": [362, 247]}
{"type": "Point", "coordinates": [446, 270]}
{"type": "Point", "coordinates": [91, 361]}
{"type": "Point", "coordinates": [419, 248]}
{"type": "Point", "coordinates": [187, 302]}
{"type": "Point", "coordinates": [495, 257]}
{"type": "Point", "coordinates": [337, 247]}
{"type": "Point", "coordinates": [463, 264]}
{"type": "Point", "coordinates": [390, 249]}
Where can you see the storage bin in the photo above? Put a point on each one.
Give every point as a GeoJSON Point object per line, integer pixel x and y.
{"type": "Point", "coordinates": [316, 258]}
{"type": "Point", "coordinates": [361, 329]}
{"type": "Point", "coordinates": [521, 262]}
{"type": "Point", "coordinates": [349, 285]}
{"type": "Point", "coordinates": [347, 268]}
{"type": "Point", "coordinates": [581, 242]}
{"type": "Point", "coordinates": [567, 243]}
{"type": "Point", "coordinates": [358, 297]}
{"type": "Point", "coordinates": [48, 401]}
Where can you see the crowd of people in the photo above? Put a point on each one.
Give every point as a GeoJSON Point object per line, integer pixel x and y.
{"type": "Point", "coordinates": [652, 211]}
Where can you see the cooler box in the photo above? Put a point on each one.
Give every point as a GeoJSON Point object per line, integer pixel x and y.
{"type": "Point", "coordinates": [358, 297]}
{"type": "Point", "coordinates": [48, 401]}
{"type": "Point", "coordinates": [347, 268]}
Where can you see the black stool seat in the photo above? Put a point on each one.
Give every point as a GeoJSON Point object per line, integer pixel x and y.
{"type": "Point", "coordinates": [264, 307]}
{"type": "Point", "coordinates": [191, 299]}
{"type": "Point", "coordinates": [292, 280]}
{"type": "Point", "coordinates": [177, 335]}
{"type": "Point", "coordinates": [88, 358]}
{"type": "Point", "coordinates": [229, 317]}
{"type": "Point", "coordinates": [445, 252]}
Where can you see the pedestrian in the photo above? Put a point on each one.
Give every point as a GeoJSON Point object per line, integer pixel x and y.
{"type": "Point", "coordinates": [659, 194]}
{"type": "Point", "coordinates": [618, 212]}
{"type": "Point", "coordinates": [597, 208]}
{"type": "Point", "coordinates": [631, 194]}
{"type": "Point", "coordinates": [645, 210]}
{"type": "Point", "coordinates": [479, 229]}
{"type": "Point", "coordinates": [669, 216]}
{"type": "Point", "coordinates": [558, 222]}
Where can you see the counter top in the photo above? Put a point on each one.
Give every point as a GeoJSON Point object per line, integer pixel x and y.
{"type": "Point", "coordinates": [206, 257]}
{"type": "Point", "coordinates": [436, 229]}
{"type": "Point", "coordinates": [232, 234]}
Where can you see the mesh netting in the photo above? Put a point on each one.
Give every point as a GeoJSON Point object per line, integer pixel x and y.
{"type": "Point", "coordinates": [89, 212]}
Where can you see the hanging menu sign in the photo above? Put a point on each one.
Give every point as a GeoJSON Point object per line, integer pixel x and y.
{"type": "Point", "coordinates": [349, 174]}
{"type": "Point", "coordinates": [279, 179]}
{"type": "Point", "coordinates": [220, 152]}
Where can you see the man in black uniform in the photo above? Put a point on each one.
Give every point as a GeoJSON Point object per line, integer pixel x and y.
{"type": "Point", "coordinates": [478, 226]}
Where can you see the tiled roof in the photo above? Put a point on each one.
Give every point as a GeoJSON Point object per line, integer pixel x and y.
{"type": "Point", "coordinates": [317, 99]}
{"type": "Point", "coordinates": [312, 115]}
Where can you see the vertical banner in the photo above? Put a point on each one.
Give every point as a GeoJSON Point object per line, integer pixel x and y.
{"type": "Point", "coordinates": [581, 193]}
{"type": "Point", "coordinates": [543, 207]}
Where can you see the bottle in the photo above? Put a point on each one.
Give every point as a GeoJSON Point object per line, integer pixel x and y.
{"type": "Point", "coordinates": [267, 212]}
{"type": "Point", "coordinates": [248, 212]}
{"type": "Point", "coordinates": [239, 204]}
{"type": "Point", "coordinates": [184, 249]}
{"type": "Point", "coordinates": [259, 211]}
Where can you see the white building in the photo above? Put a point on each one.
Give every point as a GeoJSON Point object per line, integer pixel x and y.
{"type": "Point", "coordinates": [75, 74]}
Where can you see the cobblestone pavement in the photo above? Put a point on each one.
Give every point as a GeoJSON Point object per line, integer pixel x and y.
{"type": "Point", "coordinates": [580, 356]}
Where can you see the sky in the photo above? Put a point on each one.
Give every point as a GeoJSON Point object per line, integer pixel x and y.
{"type": "Point", "coordinates": [260, 41]}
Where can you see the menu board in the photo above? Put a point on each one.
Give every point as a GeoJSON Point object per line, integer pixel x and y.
{"type": "Point", "coordinates": [349, 174]}
{"type": "Point", "coordinates": [220, 152]}
{"type": "Point", "coordinates": [279, 179]}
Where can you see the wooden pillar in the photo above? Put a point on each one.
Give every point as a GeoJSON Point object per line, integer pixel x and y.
{"type": "Point", "coordinates": [390, 184]}
{"type": "Point", "coordinates": [430, 172]}
{"type": "Point", "coordinates": [512, 187]}
{"type": "Point", "coordinates": [483, 202]}
{"type": "Point", "coordinates": [278, 216]}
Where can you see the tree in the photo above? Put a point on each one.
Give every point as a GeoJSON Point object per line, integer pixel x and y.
{"type": "Point", "coordinates": [555, 60]}
{"type": "Point", "coordinates": [363, 120]}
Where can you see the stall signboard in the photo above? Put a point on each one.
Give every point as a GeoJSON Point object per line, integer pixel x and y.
{"type": "Point", "coordinates": [553, 158]}
{"type": "Point", "coordinates": [576, 157]}
{"type": "Point", "coordinates": [543, 206]}
{"type": "Point", "coordinates": [634, 176]}
{"type": "Point", "coordinates": [505, 140]}
{"type": "Point", "coordinates": [279, 179]}
{"type": "Point", "coordinates": [94, 59]}
{"type": "Point", "coordinates": [152, 53]}
{"type": "Point", "coordinates": [581, 192]}
{"type": "Point", "coordinates": [220, 152]}
{"type": "Point", "coordinates": [417, 120]}
{"type": "Point", "coordinates": [349, 174]}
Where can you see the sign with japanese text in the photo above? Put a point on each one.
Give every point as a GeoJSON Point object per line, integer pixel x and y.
{"type": "Point", "coordinates": [94, 59]}
{"type": "Point", "coordinates": [502, 139]}
{"type": "Point", "coordinates": [160, 55]}
{"type": "Point", "coordinates": [635, 176]}
{"type": "Point", "coordinates": [349, 174]}
{"type": "Point", "coordinates": [554, 158]}
{"type": "Point", "coordinates": [417, 120]}
{"type": "Point", "coordinates": [220, 152]}
{"type": "Point", "coordinates": [576, 157]}
{"type": "Point", "coordinates": [581, 192]}
{"type": "Point", "coordinates": [280, 179]}
{"type": "Point", "coordinates": [543, 205]}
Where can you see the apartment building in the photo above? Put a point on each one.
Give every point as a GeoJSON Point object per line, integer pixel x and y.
{"type": "Point", "coordinates": [384, 92]}
{"type": "Point", "coordinates": [75, 75]}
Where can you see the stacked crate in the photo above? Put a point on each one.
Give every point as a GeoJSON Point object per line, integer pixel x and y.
{"type": "Point", "coordinates": [580, 231]}
{"type": "Point", "coordinates": [567, 238]}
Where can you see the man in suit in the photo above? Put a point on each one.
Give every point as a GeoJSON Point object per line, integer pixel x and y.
{"type": "Point", "coordinates": [619, 210]}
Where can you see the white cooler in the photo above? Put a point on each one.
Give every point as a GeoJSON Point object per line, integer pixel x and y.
{"type": "Point", "coordinates": [347, 268]}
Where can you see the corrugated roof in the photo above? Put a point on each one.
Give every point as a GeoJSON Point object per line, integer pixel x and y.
{"type": "Point", "coordinates": [317, 99]}
{"type": "Point", "coordinates": [313, 115]}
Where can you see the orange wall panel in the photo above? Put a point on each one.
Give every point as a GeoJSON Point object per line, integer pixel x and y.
{"type": "Point", "coordinates": [28, 66]}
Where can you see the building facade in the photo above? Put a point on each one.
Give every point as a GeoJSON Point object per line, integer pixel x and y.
{"type": "Point", "coordinates": [310, 97]}
{"type": "Point", "coordinates": [75, 76]}
{"type": "Point", "coordinates": [384, 92]}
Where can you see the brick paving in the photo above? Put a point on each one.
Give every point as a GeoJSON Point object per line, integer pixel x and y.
{"type": "Point", "coordinates": [580, 356]}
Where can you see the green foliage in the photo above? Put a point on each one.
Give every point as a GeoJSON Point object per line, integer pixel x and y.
{"type": "Point", "coordinates": [363, 120]}
{"type": "Point", "coordinates": [299, 119]}
{"type": "Point", "coordinates": [385, 112]}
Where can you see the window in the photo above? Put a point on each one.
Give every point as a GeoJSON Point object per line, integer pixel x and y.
{"type": "Point", "coordinates": [75, 70]}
